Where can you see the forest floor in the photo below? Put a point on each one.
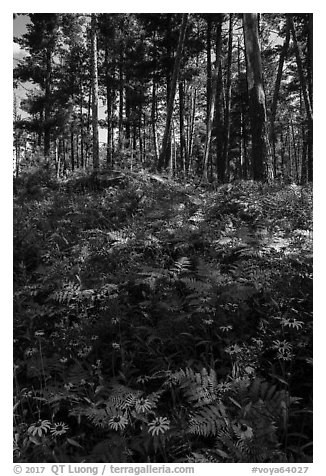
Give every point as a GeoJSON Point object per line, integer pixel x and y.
{"type": "Point", "coordinates": [156, 320]}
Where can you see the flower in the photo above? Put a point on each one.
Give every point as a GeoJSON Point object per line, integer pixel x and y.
{"type": "Point", "coordinates": [143, 405]}
{"type": "Point", "coordinates": [118, 422]}
{"type": "Point", "coordinates": [39, 333]}
{"type": "Point", "coordinates": [233, 349]}
{"type": "Point", "coordinates": [208, 322]}
{"type": "Point", "coordinates": [292, 323]}
{"type": "Point", "coordinates": [63, 360]}
{"type": "Point", "coordinates": [59, 429]}
{"type": "Point", "coordinates": [30, 351]}
{"type": "Point", "coordinates": [223, 387]}
{"type": "Point", "coordinates": [115, 346]}
{"type": "Point", "coordinates": [39, 428]}
{"type": "Point", "coordinates": [142, 379]}
{"type": "Point", "coordinates": [282, 346]}
{"type": "Point", "coordinates": [243, 431]}
{"type": "Point", "coordinates": [85, 351]}
{"type": "Point", "coordinates": [159, 425]}
{"type": "Point", "coordinates": [226, 328]}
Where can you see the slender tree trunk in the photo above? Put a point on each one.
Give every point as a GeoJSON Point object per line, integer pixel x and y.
{"type": "Point", "coordinates": [242, 141]}
{"type": "Point", "coordinates": [276, 93]}
{"type": "Point", "coordinates": [72, 149]}
{"type": "Point", "coordinates": [95, 94]}
{"type": "Point", "coordinates": [209, 66]}
{"type": "Point", "coordinates": [47, 108]}
{"type": "Point", "coordinates": [77, 151]}
{"type": "Point", "coordinates": [109, 109]}
{"type": "Point", "coordinates": [310, 57]}
{"type": "Point", "coordinates": [305, 98]}
{"type": "Point", "coordinates": [283, 146]}
{"type": "Point", "coordinates": [164, 152]}
{"type": "Point", "coordinates": [219, 125]}
{"type": "Point", "coordinates": [226, 142]}
{"type": "Point", "coordinates": [153, 120]}
{"type": "Point", "coordinates": [57, 157]}
{"type": "Point", "coordinates": [261, 159]}
{"type": "Point", "coordinates": [121, 87]}
{"type": "Point", "coordinates": [209, 126]}
{"type": "Point", "coordinates": [182, 131]}
{"type": "Point", "coordinates": [81, 125]}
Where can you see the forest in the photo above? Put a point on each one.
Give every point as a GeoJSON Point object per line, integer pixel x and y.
{"type": "Point", "coordinates": [162, 238]}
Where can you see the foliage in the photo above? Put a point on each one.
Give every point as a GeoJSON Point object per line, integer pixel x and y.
{"type": "Point", "coordinates": [156, 321]}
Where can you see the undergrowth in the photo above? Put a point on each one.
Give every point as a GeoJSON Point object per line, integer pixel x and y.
{"type": "Point", "coordinates": [156, 321]}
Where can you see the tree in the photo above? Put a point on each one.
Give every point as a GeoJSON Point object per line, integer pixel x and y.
{"type": "Point", "coordinates": [162, 159]}
{"type": "Point", "coordinates": [261, 160]}
{"type": "Point", "coordinates": [94, 92]}
{"type": "Point", "coordinates": [277, 90]}
{"type": "Point", "coordinates": [306, 97]}
{"type": "Point", "coordinates": [212, 101]}
{"type": "Point", "coordinates": [41, 41]}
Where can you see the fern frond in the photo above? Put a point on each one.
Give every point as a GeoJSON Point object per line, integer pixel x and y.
{"type": "Point", "coordinates": [208, 420]}
{"type": "Point", "coordinates": [180, 266]}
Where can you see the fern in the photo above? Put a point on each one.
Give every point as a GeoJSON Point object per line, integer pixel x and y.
{"type": "Point", "coordinates": [180, 266]}
{"type": "Point", "coordinates": [208, 420]}
{"type": "Point", "coordinates": [199, 390]}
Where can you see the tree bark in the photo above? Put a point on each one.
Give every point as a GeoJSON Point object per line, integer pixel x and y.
{"type": "Point", "coordinates": [226, 142]}
{"type": "Point", "coordinates": [94, 93]}
{"type": "Point", "coordinates": [261, 159]}
{"type": "Point", "coordinates": [306, 99]}
{"type": "Point", "coordinates": [209, 65]}
{"type": "Point", "coordinates": [209, 125]}
{"type": "Point", "coordinates": [276, 92]}
{"type": "Point", "coordinates": [167, 130]}
{"type": "Point", "coordinates": [182, 130]}
{"type": "Point", "coordinates": [47, 108]}
{"type": "Point", "coordinates": [153, 120]}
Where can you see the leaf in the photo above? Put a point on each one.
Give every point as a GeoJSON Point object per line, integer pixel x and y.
{"type": "Point", "coordinates": [74, 443]}
{"type": "Point", "coordinates": [235, 403]}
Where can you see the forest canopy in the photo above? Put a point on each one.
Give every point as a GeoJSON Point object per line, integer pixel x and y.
{"type": "Point", "coordinates": [221, 96]}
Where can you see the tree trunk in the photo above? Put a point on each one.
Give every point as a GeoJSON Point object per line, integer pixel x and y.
{"type": "Point", "coordinates": [167, 130]}
{"type": "Point", "coordinates": [153, 120]}
{"type": "Point", "coordinates": [120, 140]}
{"type": "Point", "coordinates": [182, 130]}
{"type": "Point", "coordinates": [72, 149]}
{"type": "Point", "coordinates": [219, 126]}
{"type": "Point", "coordinates": [209, 125]}
{"type": "Point", "coordinates": [276, 92]}
{"type": "Point", "coordinates": [305, 98]}
{"type": "Point", "coordinates": [94, 94]}
{"type": "Point", "coordinates": [47, 108]}
{"type": "Point", "coordinates": [81, 125]}
{"type": "Point", "coordinates": [209, 66]}
{"type": "Point", "coordinates": [109, 109]}
{"type": "Point", "coordinates": [261, 159]}
{"type": "Point", "coordinates": [226, 142]}
{"type": "Point", "coordinates": [242, 142]}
